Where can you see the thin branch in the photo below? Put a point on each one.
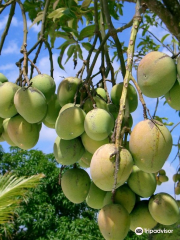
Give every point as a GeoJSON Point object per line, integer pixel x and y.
{"type": "Point", "coordinates": [168, 48]}
{"type": "Point", "coordinates": [113, 33]}
{"type": "Point", "coordinates": [140, 97]}
{"type": "Point", "coordinates": [3, 6]}
{"type": "Point", "coordinates": [44, 18]}
{"type": "Point", "coordinates": [96, 35]}
{"type": "Point", "coordinates": [174, 126]}
{"type": "Point", "coordinates": [50, 56]}
{"type": "Point", "coordinates": [128, 25]}
{"type": "Point", "coordinates": [34, 66]}
{"type": "Point", "coordinates": [11, 13]}
{"type": "Point", "coordinates": [156, 107]}
{"type": "Point", "coordinates": [35, 59]}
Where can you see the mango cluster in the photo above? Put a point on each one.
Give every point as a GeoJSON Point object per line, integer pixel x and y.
{"type": "Point", "coordinates": [84, 136]}
{"type": "Point", "coordinates": [23, 109]}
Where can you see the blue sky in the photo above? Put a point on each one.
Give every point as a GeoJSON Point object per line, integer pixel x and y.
{"type": "Point", "coordinates": [11, 54]}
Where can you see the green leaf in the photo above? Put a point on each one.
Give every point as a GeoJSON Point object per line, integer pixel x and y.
{"type": "Point", "coordinates": [37, 19]}
{"type": "Point", "coordinates": [11, 188]}
{"type": "Point", "coordinates": [87, 32]}
{"type": "Point", "coordinates": [69, 13]}
{"type": "Point", "coordinates": [57, 13]}
{"type": "Point", "coordinates": [86, 3]}
{"type": "Point", "coordinates": [79, 50]}
{"type": "Point", "coordinates": [87, 46]}
{"type": "Point", "coordinates": [70, 52]}
{"type": "Point", "coordinates": [63, 48]}
{"type": "Point", "coordinates": [164, 37]}
{"type": "Point", "coordinates": [62, 35]}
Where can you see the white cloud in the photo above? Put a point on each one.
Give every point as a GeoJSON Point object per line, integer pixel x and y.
{"type": "Point", "coordinates": [7, 67]}
{"type": "Point", "coordinates": [12, 48]}
{"type": "Point", "coordinates": [3, 22]}
{"type": "Point", "coordinates": [15, 22]}
{"type": "Point", "coordinates": [47, 134]}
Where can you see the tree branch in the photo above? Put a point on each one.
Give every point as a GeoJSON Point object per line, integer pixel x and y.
{"type": "Point", "coordinates": [11, 13]}
{"type": "Point", "coordinates": [113, 33]}
{"type": "Point", "coordinates": [170, 20]}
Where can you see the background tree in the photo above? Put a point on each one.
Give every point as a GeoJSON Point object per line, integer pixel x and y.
{"type": "Point", "coordinates": [47, 213]}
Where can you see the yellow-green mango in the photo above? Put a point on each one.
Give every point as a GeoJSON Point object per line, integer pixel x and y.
{"type": "Point", "coordinates": [75, 184]}
{"type": "Point", "coordinates": [83, 164]}
{"type": "Point", "coordinates": [113, 109]}
{"type": "Point", "coordinates": [156, 74]}
{"type": "Point", "coordinates": [67, 90]}
{"type": "Point", "coordinates": [116, 92]}
{"type": "Point", "coordinates": [139, 180]}
{"type": "Point", "coordinates": [102, 167]}
{"type": "Point", "coordinates": [173, 96]}
{"type": "Point", "coordinates": [49, 125]}
{"type": "Point", "coordinates": [7, 92]}
{"type": "Point", "coordinates": [5, 134]}
{"type": "Point", "coordinates": [92, 145]}
{"type": "Point", "coordinates": [150, 145]}
{"type": "Point", "coordinates": [53, 109]}
{"type": "Point", "coordinates": [68, 152]}
{"type": "Point", "coordinates": [123, 195]}
{"type": "Point", "coordinates": [3, 78]}
{"type": "Point", "coordinates": [141, 217]}
{"type": "Point", "coordinates": [86, 158]}
{"type": "Point", "coordinates": [98, 124]}
{"type": "Point", "coordinates": [100, 103]}
{"type": "Point", "coordinates": [31, 104]}
{"type": "Point", "coordinates": [25, 135]}
{"type": "Point", "coordinates": [95, 197]}
{"type": "Point", "coordinates": [45, 84]}
{"type": "Point", "coordinates": [102, 93]}
{"type": "Point", "coordinates": [114, 222]}
{"type": "Point", "coordinates": [70, 123]}
{"type": "Point", "coordinates": [164, 209]}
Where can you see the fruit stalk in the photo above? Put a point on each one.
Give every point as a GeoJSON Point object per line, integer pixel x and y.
{"type": "Point", "coordinates": [140, 96]}
{"type": "Point", "coordinates": [130, 53]}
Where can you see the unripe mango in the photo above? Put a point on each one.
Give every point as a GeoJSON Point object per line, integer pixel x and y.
{"type": "Point", "coordinates": [164, 209]}
{"type": "Point", "coordinates": [45, 84]}
{"type": "Point", "coordinates": [100, 103]}
{"type": "Point", "coordinates": [150, 145]}
{"type": "Point", "coordinates": [102, 167]}
{"type": "Point", "coordinates": [3, 78]}
{"type": "Point", "coordinates": [70, 123]}
{"type": "Point", "coordinates": [114, 222]}
{"type": "Point", "coordinates": [68, 152]}
{"type": "Point", "coordinates": [24, 135]}
{"type": "Point", "coordinates": [92, 145]}
{"type": "Point", "coordinates": [173, 96]}
{"type": "Point", "coordinates": [98, 124]}
{"type": "Point", "coordinates": [67, 90]}
{"type": "Point", "coordinates": [7, 92]}
{"type": "Point", "coordinates": [31, 104]}
{"type": "Point", "coordinates": [156, 74]}
{"type": "Point", "coordinates": [141, 217]}
{"type": "Point", "coordinates": [53, 109]}
{"type": "Point", "coordinates": [95, 197]}
{"type": "Point", "coordinates": [124, 196]}
{"type": "Point", "coordinates": [75, 184]}
{"type": "Point", "coordinates": [139, 180]}
{"type": "Point", "coordinates": [116, 92]}
{"type": "Point", "coordinates": [5, 134]}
